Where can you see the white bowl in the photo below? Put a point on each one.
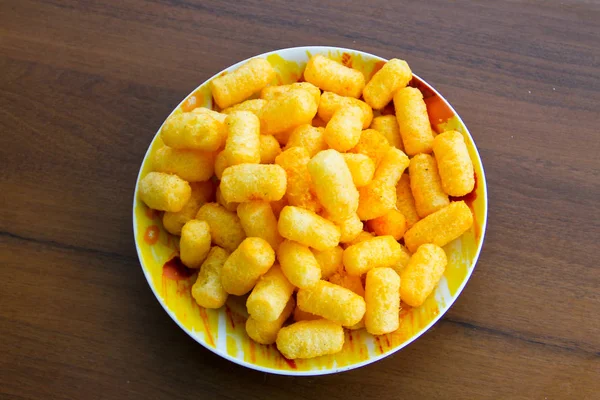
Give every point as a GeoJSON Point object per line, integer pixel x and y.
{"type": "Point", "coordinates": [222, 331]}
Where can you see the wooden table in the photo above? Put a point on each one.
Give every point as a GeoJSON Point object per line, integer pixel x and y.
{"type": "Point", "coordinates": [84, 86]}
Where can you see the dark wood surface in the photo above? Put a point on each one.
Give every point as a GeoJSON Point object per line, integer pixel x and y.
{"type": "Point", "coordinates": [84, 86]}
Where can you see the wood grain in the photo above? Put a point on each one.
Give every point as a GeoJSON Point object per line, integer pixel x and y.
{"type": "Point", "coordinates": [84, 86]}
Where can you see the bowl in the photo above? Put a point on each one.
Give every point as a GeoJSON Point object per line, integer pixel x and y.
{"type": "Point", "coordinates": [222, 331]}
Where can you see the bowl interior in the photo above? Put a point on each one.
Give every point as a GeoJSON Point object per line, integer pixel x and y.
{"type": "Point", "coordinates": [223, 331]}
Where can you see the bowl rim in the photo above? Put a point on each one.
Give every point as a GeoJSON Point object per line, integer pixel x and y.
{"type": "Point", "coordinates": [332, 370]}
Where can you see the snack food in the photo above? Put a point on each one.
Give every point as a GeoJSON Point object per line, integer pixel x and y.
{"type": "Point", "coordinates": [426, 186]}
{"type": "Point", "coordinates": [310, 137]}
{"type": "Point", "coordinates": [308, 228]}
{"type": "Point", "coordinates": [344, 128]}
{"type": "Point", "coordinates": [331, 102]}
{"type": "Point", "coordinates": [454, 164]}
{"type": "Point", "coordinates": [393, 223]}
{"type": "Point", "coordinates": [194, 244]}
{"type": "Point", "coordinates": [272, 92]}
{"type": "Point", "coordinates": [375, 200]}
{"type": "Point", "coordinates": [405, 202]}
{"type": "Point", "coordinates": [202, 192]}
{"type": "Point", "coordinates": [380, 251]}
{"type": "Point", "coordinates": [193, 131]}
{"type": "Point", "coordinates": [395, 74]}
{"type": "Point", "coordinates": [307, 339]}
{"type": "Point", "coordinates": [411, 113]}
{"type": "Point", "coordinates": [300, 315]}
{"type": "Point", "coordinates": [208, 290]}
{"type": "Point", "coordinates": [403, 261]}
{"type": "Point", "coordinates": [287, 111]}
{"type": "Point", "coordinates": [353, 283]}
{"type": "Point", "coordinates": [324, 213]}
{"type": "Point", "coordinates": [207, 111]}
{"type": "Point", "coordinates": [265, 332]}
{"type": "Point", "coordinates": [189, 165]}
{"type": "Point", "coordinates": [330, 260]}
{"type": "Point", "coordinates": [333, 183]}
{"type": "Point", "coordinates": [249, 182]}
{"type": "Point", "coordinates": [298, 264]}
{"type": "Point", "coordinates": [269, 149]}
{"type": "Point", "coordinates": [298, 191]}
{"type": "Point", "coordinates": [332, 302]}
{"type": "Point", "coordinates": [372, 144]}
{"type": "Point", "coordinates": [220, 164]}
{"type": "Point", "coordinates": [364, 235]}
{"type": "Point", "coordinates": [243, 138]}
{"type": "Point", "coordinates": [243, 268]}
{"type": "Point", "coordinates": [258, 220]}
{"type": "Point", "coordinates": [422, 274]}
{"type": "Point", "coordinates": [228, 205]}
{"type": "Point", "coordinates": [164, 192]}
{"type": "Point", "coordinates": [361, 168]}
{"type": "Point", "coordinates": [350, 227]}
{"type": "Point", "coordinates": [225, 228]}
{"type": "Point", "coordinates": [270, 295]}
{"type": "Point", "coordinates": [350, 282]}
{"type": "Point", "coordinates": [382, 295]}
{"type": "Point", "coordinates": [334, 77]}
{"type": "Point", "coordinates": [392, 166]}
{"type": "Point", "coordinates": [441, 227]}
{"type": "Point", "coordinates": [255, 106]}
{"type": "Point", "coordinates": [237, 86]}
{"type": "Point", "coordinates": [387, 125]}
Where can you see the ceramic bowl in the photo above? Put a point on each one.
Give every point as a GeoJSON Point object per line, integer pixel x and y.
{"type": "Point", "coordinates": [222, 331]}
